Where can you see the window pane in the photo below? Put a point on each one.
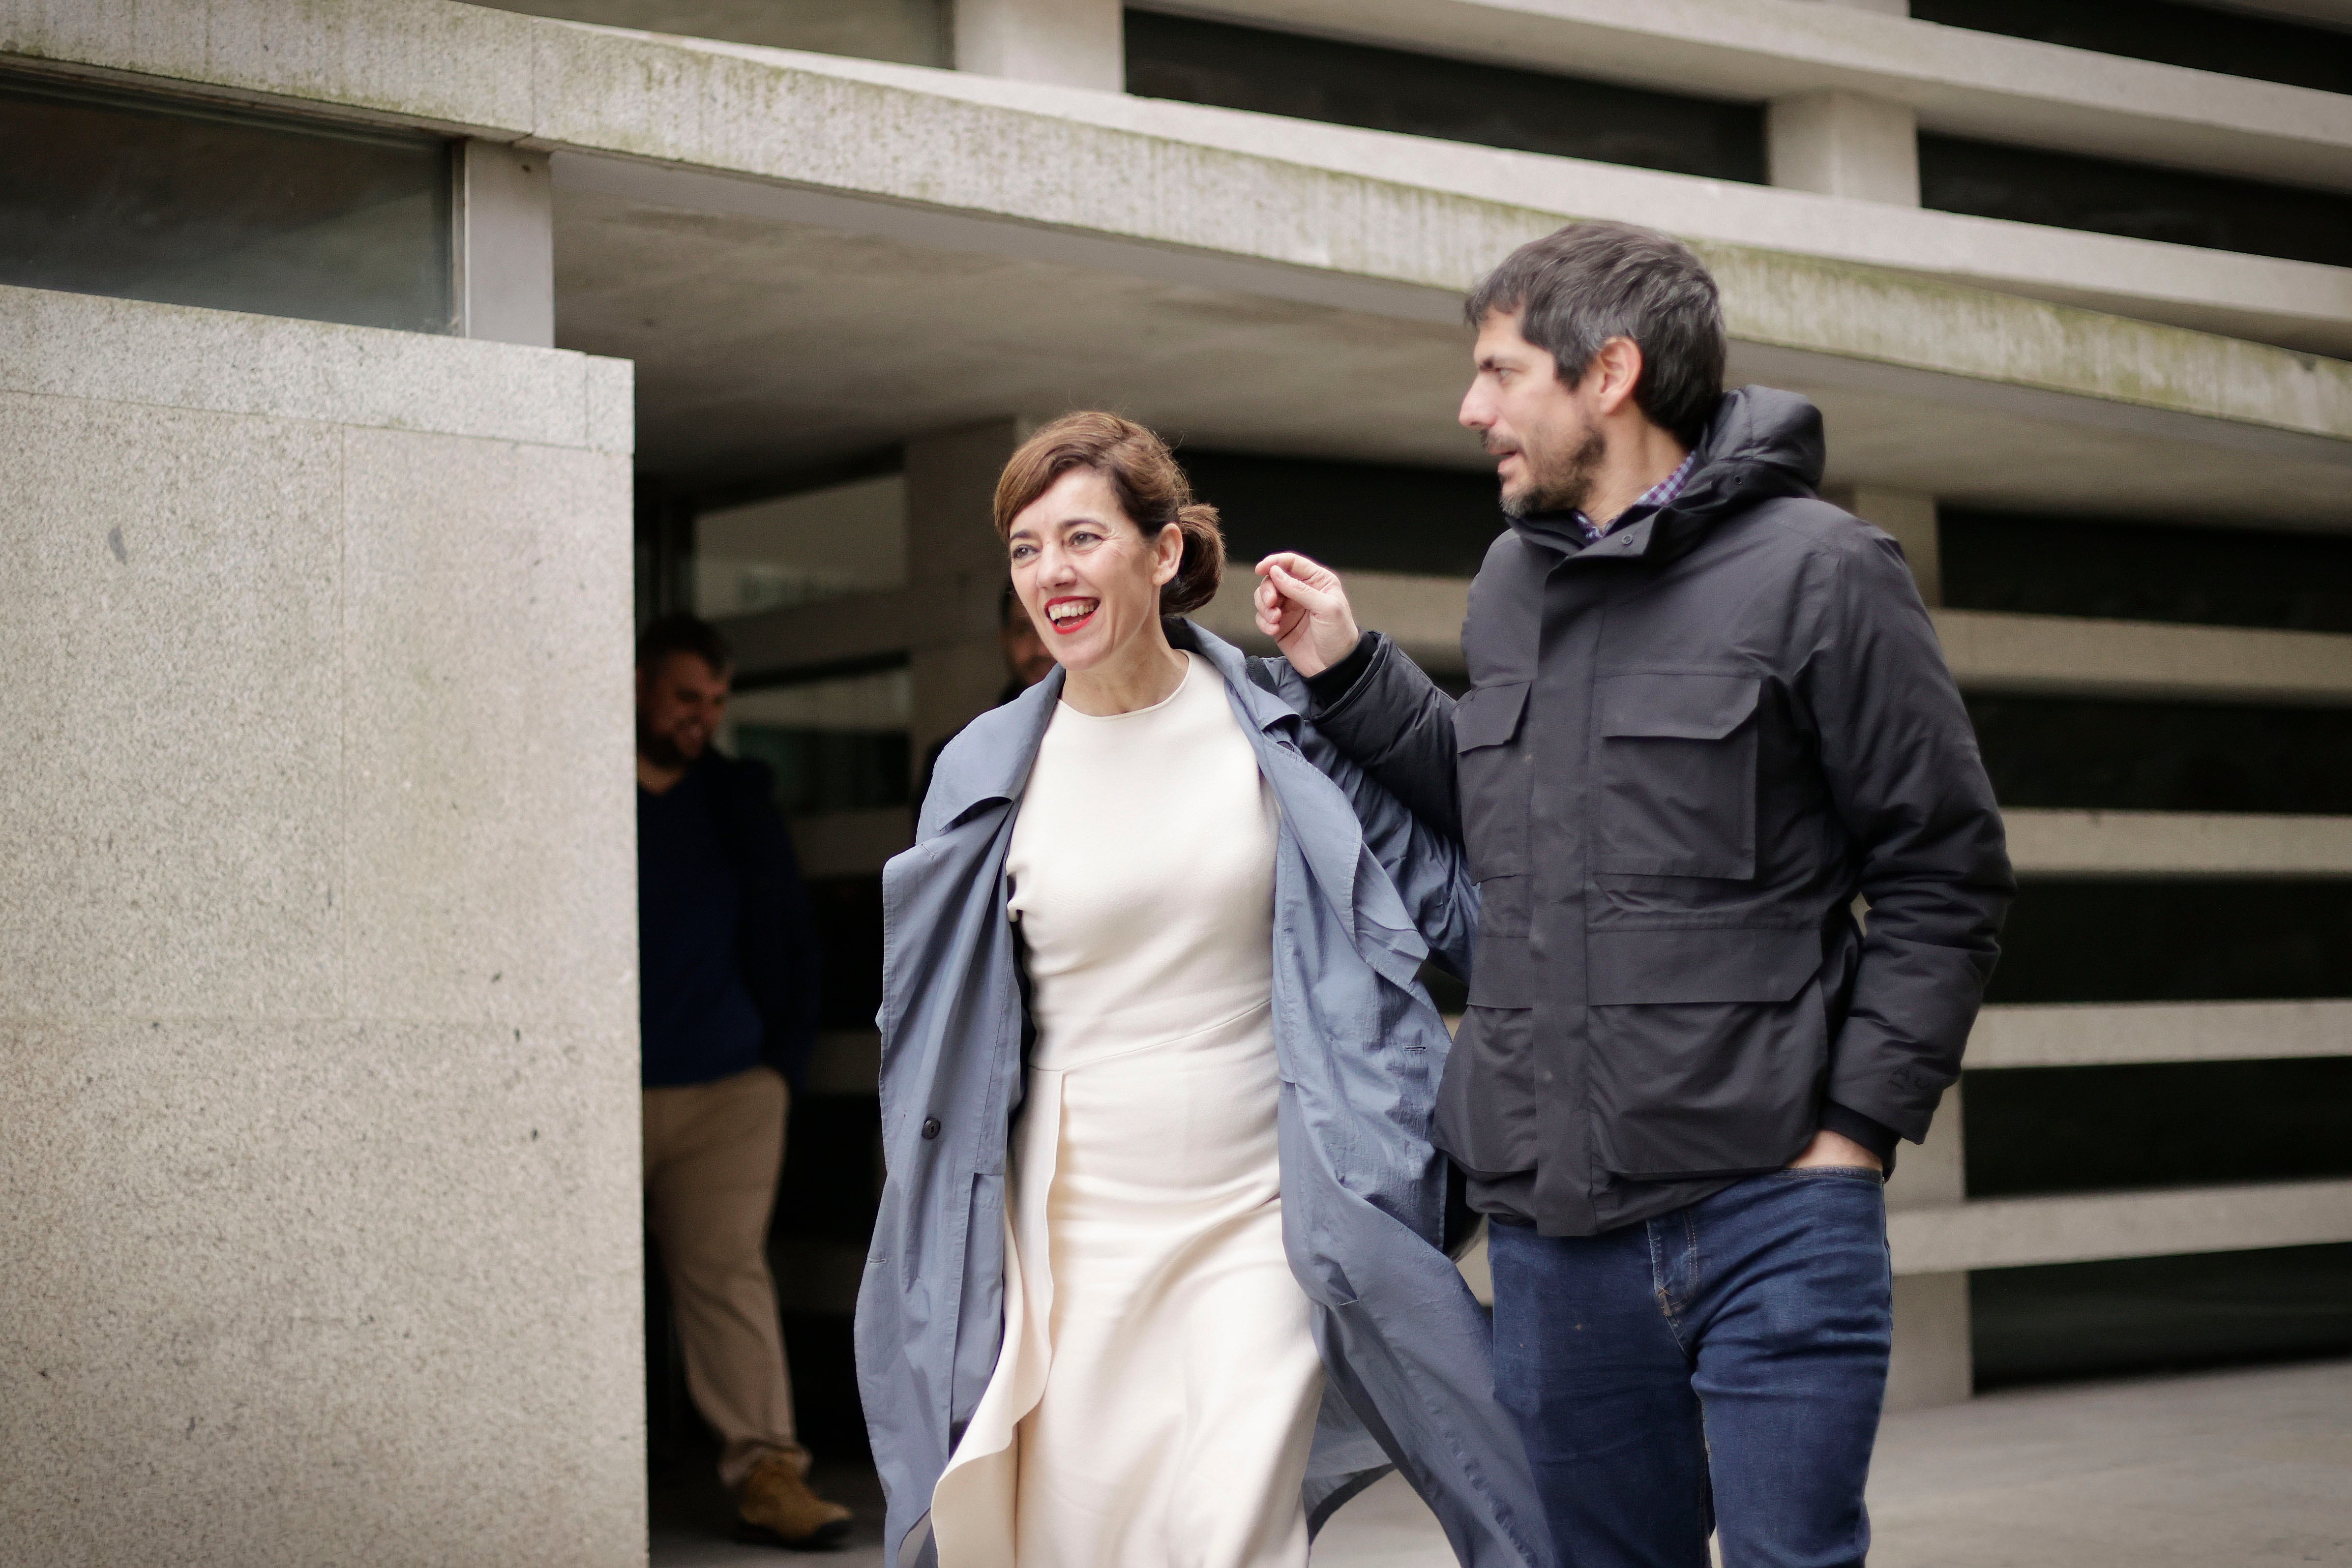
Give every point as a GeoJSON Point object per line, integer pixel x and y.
{"type": "Point", "coordinates": [2097, 754]}
{"type": "Point", "coordinates": [819, 544]}
{"type": "Point", "coordinates": [2198, 36]}
{"type": "Point", "coordinates": [1428, 95]}
{"type": "Point", "coordinates": [836, 745]}
{"type": "Point", "coordinates": [2163, 941]}
{"type": "Point", "coordinates": [2033, 565]}
{"type": "Point", "coordinates": [190, 205]}
{"type": "Point", "coordinates": [2138, 200]}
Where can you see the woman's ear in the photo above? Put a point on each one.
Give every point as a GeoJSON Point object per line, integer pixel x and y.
{"type": "Point", "coordinates": [1167, 556]}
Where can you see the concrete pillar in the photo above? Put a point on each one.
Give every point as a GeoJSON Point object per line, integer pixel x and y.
{"type": "Point", "coordinates": [1910, 517]}
{"type": "Point", "coordinates": [955, 574]}
{"type": "Point", "coordinates": [1069, 43]}
{"type": "Point", "coordinates": [506, 244]}
{"type": "Point", "coordinates": [319, 1037]}
{"type": "Point", "coordinates": [1933, 1364]}
{"type": "Point", "coordinates": [1841, 144]}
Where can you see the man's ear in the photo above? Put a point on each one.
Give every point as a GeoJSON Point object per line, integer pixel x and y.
{"type": "Point", "coordinates": [1616, 371]}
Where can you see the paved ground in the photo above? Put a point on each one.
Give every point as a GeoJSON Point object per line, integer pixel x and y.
{"type": "Point", "coordinates": [2239, 1470]}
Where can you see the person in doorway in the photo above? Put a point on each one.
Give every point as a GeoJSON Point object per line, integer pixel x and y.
{"type": "Point", "coordinates": [1028, 661]}
{"type": "Point", "coordinates": [1706, 711]}
{"type": "Point", "coordinates": [728, 992]}
{"type": "Point", "coordinates": [1194, 1296]}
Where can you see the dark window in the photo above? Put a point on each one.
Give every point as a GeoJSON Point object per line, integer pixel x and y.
{"type": "Point", "coordinates": [1357, 517]}
{"type": "Point", "coordinates": [2159, 1314]}
{"type": "Point", "coordinates": [831, 769]}
{"type": "Point", "coordinates": [2067, 191]}
{"type": "Point", "coordinates": [1426, 95]}
{"type": "Point", "coordinates": [2160, 941]}
{"type": "Point", "coordinates": [849, 923]}
{"type": "Point", "coordinates": [2217, 577]}
{"type": "Point", "coordinates": [2083, 754]}
{"type": "Point", "coordinates": [2200, 37]}
{"type": "Point", "coordinates": [188, 205]}
{"type": "Point", "coordinates": [2186, 1124]}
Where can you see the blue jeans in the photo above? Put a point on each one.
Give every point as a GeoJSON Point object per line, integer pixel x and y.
{"type": "Point", "coordinates": [1721, 1366]}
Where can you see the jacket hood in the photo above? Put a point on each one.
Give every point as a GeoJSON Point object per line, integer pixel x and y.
{"type": "Point", "coordinates": [1761, 445]}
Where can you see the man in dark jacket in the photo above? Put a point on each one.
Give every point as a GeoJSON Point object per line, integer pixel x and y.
{"type": "Point", "coordinates": [728, 979]}
{"type": "Point", "coordinates": [1707, 711]}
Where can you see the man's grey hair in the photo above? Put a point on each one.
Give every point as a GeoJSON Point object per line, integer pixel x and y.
{"type": "Point", "coordinates": [1576, 289]}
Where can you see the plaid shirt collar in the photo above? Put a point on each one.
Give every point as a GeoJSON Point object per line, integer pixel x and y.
{"type": "Point", "coordinates": [1656, 499]}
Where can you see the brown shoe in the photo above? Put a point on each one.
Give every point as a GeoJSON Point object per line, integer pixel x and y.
{"type": "Point", "coordinates": [778, 1508]}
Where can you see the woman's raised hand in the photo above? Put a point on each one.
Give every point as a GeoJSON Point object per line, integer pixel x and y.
{"type": "Point", "coordinates": [1301, 605]}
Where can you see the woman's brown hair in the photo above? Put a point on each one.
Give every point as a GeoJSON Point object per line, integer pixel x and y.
{"type": "Point", "coordinates": [1151, 489]}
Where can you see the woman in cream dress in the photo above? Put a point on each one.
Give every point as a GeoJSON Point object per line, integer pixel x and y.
{"type": "Point", "coordinates": [1159, 1278]}
{"type": "Point", "coordinates": [1157, 1392]}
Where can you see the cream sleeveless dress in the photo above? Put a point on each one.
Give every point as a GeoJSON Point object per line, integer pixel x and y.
{"type": "Point", "coordinates": [1156, 1395]}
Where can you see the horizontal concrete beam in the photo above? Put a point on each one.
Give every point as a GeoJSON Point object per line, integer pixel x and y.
{"type": "Point", "coordinates": [1958, 80]}
{"type": "Point", "coordinates": [2065, 656]}
{"type": "Point", "coordinates": [1423, 614]}
{"type": "Point", "coordinates": [2048, 655]}
{"type": "Point", "coordinates": [935, 145]}
{"type": "Point", "coordinates": [2177, 844]}
{"type": "Point", "coordinates": [2266, 298]}
{"type": "Point", "coordinates": [2107, 1034]}
{"type": "Point", "coordinates": [2004, 1233]}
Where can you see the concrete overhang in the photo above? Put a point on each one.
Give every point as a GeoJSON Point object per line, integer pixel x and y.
{"type": "Point", "coordinates": [1960, 82]}
{"type": "Point", "coordinates": [808, 256]}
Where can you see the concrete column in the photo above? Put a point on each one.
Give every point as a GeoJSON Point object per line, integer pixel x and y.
{"type": "Point", "coordinates": [506, 244]}
{"type": "Point", "coordinates": [1069, 43]}
{"type": "Point", "coordinates": [1841, 144]}
{"type": "Point", "coordinates": [1933, 1364]}
{"type": "Point", "coordinates": [955, 574]}
{"type": "Point", "coordinates": [1910, 517]}
{"type": "Point", "coordinates": [318, 1040]}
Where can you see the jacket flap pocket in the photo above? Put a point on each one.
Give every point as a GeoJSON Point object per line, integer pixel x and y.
{"type": "Point", "coordinates": [1719, 964]}
{"type": "Point", "coordinates": [1675, 707]}
{"type": "Point", "coordinates": [1488, 716]}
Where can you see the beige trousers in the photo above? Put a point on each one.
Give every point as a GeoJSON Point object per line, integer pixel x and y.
{"type": "Point", "coordinates": [713, 1152]}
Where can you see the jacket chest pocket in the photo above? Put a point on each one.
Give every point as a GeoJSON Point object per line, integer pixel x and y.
{"type": "Point", "coordinates": [1493, 776]}
{"type": "Point", "coordinates": [1675, 784]}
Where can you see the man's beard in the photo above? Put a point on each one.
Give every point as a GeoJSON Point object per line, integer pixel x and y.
{"type": "Point", "coordinates": [661, 749]}
{"type": "Point", "coordinates": [1564, 491]}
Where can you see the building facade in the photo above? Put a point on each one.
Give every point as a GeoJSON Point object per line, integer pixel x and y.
{"type": "Point", "coordinates": [367, 363]}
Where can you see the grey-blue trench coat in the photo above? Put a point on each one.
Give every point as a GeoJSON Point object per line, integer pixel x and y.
{"type": "Point", "coordinates": [1362, 894]}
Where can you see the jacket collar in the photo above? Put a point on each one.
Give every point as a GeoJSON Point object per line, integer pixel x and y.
{"type": "Point", "coordinates": [1761, 444]}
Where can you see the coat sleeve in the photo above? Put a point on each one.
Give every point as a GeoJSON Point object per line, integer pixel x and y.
{"type": "Point", "coordinates": [1396, 726]}
{"type": "Point", "coordinates": [1900, 760]}
{"type": "Point", "coordinates": [1427, 867]}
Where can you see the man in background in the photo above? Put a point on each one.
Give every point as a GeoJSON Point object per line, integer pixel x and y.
{"type": "Point", "coordinates": [728, 993]}
{"type": "Point", "coordinates": [1026, 660]}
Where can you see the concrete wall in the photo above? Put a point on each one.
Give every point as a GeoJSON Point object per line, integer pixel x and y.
{"type": "Point", "coordinates": [317, 912]}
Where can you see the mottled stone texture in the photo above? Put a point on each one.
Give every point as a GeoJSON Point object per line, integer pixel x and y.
{"type": "Point", "coordinates": [317, 1044]}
